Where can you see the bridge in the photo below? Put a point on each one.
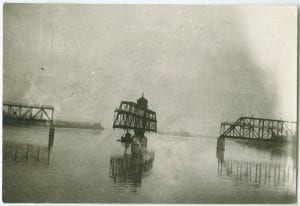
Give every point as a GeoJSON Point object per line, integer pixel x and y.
{"type": "Point", "coordinates": [135, 116]}
{"type": "Point", "coordinates": [19, 111]}
{"type": "Point", "coordinates": [258, 129]}
{"type": "Point", "coordinates": [130, 116]}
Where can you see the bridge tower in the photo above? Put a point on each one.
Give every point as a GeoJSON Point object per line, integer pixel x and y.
{"type": "Point", "coordinates": [142, 102]}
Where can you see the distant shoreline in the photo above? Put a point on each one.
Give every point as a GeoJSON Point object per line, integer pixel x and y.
{"type": "Point", "coordinates": [182, 134]}
{"type": "Point", "coordinates": [57, 124]}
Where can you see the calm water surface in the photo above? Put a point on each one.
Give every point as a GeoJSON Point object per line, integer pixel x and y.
{"type": "Point", "coordinates": [91, 166]}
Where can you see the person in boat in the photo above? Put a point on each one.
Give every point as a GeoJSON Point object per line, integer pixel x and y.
{"type": "Point", "coordinates": [126, 138]}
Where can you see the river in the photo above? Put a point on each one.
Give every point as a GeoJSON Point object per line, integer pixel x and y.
{"type": "Point", "coordinates": [88, 166]}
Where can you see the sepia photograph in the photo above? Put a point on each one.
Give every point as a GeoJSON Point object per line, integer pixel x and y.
{"type": "Point", "coordinates": [149, 103]}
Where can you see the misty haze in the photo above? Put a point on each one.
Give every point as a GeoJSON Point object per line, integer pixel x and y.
{"type": "Point", "coordinates": [149, 103]}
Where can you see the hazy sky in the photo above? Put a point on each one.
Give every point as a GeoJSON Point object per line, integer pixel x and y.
{"type": "Point", "coordinates": [197, 65]}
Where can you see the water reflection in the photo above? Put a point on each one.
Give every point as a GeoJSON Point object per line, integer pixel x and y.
{"type": "Point", "coordinates": [135, 164]}
{"type": "Point", "coordinates": [259, 173]}
{"type": "Point", "coordinates": [28, 154]}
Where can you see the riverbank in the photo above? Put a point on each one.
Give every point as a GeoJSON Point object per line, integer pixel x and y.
{"type": "Point", "coordinates": [57, 124]}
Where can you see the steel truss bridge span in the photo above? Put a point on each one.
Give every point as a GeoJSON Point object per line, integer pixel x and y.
{"type": "Point", "coordinates": [18, 111]}
{"type": "Point", "coordinates": [258, 128]}
{"type": "Point", "coordinates": [130, 115]}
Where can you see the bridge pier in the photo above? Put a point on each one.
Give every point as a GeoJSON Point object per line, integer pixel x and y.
{"type": "Point", "coordinates": [220, 153]}
{"type": "Point", "coordinates": [51, 135]}
{"type": "Point", "coordinates": [138, 143]}
{"type": "Point", "coordinates": [221, 143]}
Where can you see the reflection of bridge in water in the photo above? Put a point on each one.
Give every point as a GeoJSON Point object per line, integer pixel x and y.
{"type": "Point", "coordinates": [28, 154]}
{"type": "Point", "coordinates": [258, 173]}
{"type": "Point", "coordinates": [131, 167]}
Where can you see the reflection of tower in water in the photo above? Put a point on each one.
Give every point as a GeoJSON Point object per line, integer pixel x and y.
{"type": "Point", "coordinates": [28, 154]}
{"type": "Point", "coordinates": [133, 165]}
